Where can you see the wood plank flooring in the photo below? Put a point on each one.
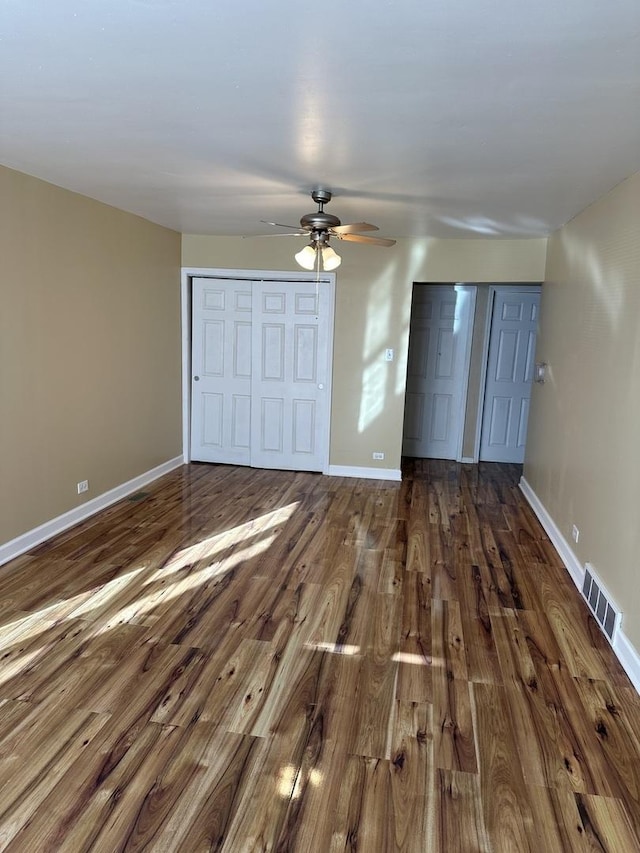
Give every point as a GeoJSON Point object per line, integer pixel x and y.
{"type": "Point", "coordinates": [244, 660]}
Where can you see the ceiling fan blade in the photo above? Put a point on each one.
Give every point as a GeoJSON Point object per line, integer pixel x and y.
{"type": "Point", "coordinates": [354, 227]}
{"type": "Point", "coordinates": [360, 238]}
{"type": "Point", "coordinates": [280, 225]}
{"type": "Point", "coordinates": [289, 234]}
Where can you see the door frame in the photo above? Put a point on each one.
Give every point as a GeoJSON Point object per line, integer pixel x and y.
{"type": "Point", "coordinates": [472, 290]}
{"type": "Point", "coordinates": [488, 321]}
{"type": "Point", "coordinates": [326, 279]}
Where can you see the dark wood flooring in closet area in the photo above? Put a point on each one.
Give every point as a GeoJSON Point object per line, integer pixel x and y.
{"type": "Point", "coordinates": [246, 660]}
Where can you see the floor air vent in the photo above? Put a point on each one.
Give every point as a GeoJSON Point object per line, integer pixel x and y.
{"type": "Point", "coordinates": [599, 601]}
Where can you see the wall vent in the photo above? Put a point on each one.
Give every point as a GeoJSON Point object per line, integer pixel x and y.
{"type": "Point", "coordinates": [600, 603]}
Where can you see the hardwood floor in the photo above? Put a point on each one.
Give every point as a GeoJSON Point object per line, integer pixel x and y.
{"type": "Point", "coordinates": [246, 660]}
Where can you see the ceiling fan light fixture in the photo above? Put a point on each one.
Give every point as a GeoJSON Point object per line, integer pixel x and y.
{"type": "Point", "coordinates": [331, 260]}
{"type": "Point", "coordinates": [306, 257]}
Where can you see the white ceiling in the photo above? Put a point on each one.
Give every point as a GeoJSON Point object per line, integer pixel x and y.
{"type": "Point", "coordinates": [450, 118]}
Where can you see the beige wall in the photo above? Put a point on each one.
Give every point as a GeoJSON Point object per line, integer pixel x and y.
{"type": "Point", "coordinates": [89, 349]}
{"type": "Point", "coordinates": [373, 304]}
{"type": "Point", "coordinates": [583, 452]}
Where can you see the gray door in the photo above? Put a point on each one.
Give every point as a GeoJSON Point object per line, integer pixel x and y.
{"type": "Point", "coordinates": [437, 371]}
{"type": "Point", "coordinates": [512, 349]}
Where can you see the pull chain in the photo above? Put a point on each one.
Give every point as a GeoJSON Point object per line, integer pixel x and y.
{"type": "Point", "coordinates": [317, 280]}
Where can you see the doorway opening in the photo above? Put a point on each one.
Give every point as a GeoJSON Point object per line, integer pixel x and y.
{"type": "Point", "coordinates": [469, 372]}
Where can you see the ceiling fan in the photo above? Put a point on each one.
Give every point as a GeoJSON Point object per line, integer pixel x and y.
{"type": "Point", "coordinates": [319, 227]}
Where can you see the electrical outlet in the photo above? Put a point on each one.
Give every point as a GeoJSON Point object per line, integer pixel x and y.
{"type": "Point", "coordinates": [377, 454]}
{"type": "Point", "coordinates": [83, 486]}
{"type": "Point", "coordinates": [575, 533]}
{"type": "Point", "coordinates": [388, 354]}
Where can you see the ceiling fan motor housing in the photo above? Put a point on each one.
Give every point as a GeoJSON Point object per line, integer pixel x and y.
{"type": "Point", "coordinates": [319, 221]}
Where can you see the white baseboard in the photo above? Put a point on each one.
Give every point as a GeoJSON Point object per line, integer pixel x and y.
{"type": "Point", "coordinates": [628, 657]}
{"type": "Point", "coordinates": [45, 531]}
{"type": "Point", "coordinates": [626, 653]}
{"type": "Point", "coordinates": [365, 473]}
{"type": "Point", "coordinates": [572, 563]}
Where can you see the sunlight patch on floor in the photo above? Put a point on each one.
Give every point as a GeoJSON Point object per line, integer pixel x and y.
{"type": "Point", "coordinates": [416, 660]}
{"type": "Point", "coordinates": [142, 605]}
{"type": "Point", "coordinates": [219, 541]}
{"type": "Point", "coordinates": [286, 781]}
{"type": "Point", "coordinates": [334, 648]}
{"type": "Point", "coordinates": [24, 627]}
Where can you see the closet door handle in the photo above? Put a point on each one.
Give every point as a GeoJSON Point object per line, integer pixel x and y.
{"type": "Point", "coordinates": [196, 379]}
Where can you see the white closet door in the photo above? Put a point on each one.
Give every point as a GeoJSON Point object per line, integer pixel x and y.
{"type": "Point", "coordinates": [261, 373]}
{"type": "Point", "coordinates": [221, 371]}
{"type": "Point", "coordinates": [289, 387]}
{"type": "Point", "coordinates": [436, 371]}
{"type": "Point", "coordinates": [512, 348]}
